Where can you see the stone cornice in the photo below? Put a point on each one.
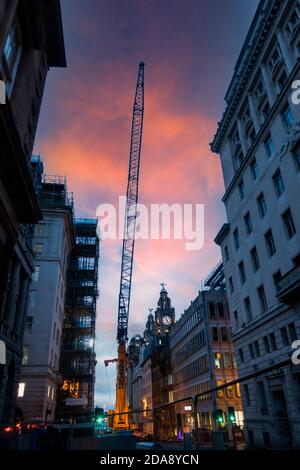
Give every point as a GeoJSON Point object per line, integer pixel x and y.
{"type": "Point", "coordinates": [243, 70]}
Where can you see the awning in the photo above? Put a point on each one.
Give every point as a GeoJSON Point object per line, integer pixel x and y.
{"type": "Point", "coordinates": [2, 352]}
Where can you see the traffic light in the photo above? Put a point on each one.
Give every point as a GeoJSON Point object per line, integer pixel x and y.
{"type": "Point", "coordinates": [231, 415]}
{"type": "Point", "coordinates": [99, 415]}
{"type": "Point", "coordinates": [219, 417]}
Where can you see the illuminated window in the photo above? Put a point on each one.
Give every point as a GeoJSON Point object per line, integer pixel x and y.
{"type": "Point", "coordinates": [72, 387]}
{"type": "Point", "coordinates": [227, 360]}
{"type": "Point", "coordinates": [21, 389]}
{"type": "Point", "coordinates": [230, 391]}
{"type": "Point", "coordinates": [220, 393]}
{"type": "Point", "coordinates": [145, 407]}
{"type": "Point", "coordinates": [238, 390]}
{"type": "Point", "coordinates": [218, 360]}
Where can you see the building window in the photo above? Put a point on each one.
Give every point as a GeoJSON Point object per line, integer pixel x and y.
{"type": "Point", "coordinates": [241, 355]}
{"type": "Point", "coordinates": [254, 169]}
{"type": "Point", "coordinates": [287, 116]}
{"type": "Point", "coordinates": [247, 395]}
{"type": "Point", "coordinates": [236, 239]}
{"type": "Point", "coordinates": [288, 223]}
{"type": "Point", "coordinates": [248, 309]}
{"type": "Point", "coordinates": [296, 155]}
{"type": "Point", "coordinates": [254, 259]}
{"type": "Point", "coordinates": [28, 324]}
{"type": "Point", "coordinates": [230, 391]}
{"type": "Point", "coordinates": [212, 310]}
{"type": "Point", "coordinates": [25, 355]}
{"type": "Point", "coordinates": [270, 243]}
{"type": "Point", "coordinates": [40, 229]}
{"type": "Point", "coordinates": [242, 272]}
{"type": "Point", "coordinates": [256, 348]}
{"type": "Point", "coordinates": [220, 393]}
{"type": "Point", "coordinates": [221, 310]}
{"type": "Point", "coordinates": [292, 332]}
{"type": "Point", "coordinates": [278, 183]}
{"type": "Point", "coordinates": [215, 334]}
{"type": "Point", "coordinates": [265, 111]}
{"type": "Point", "coordinates": [262, 299]}
{"type": "Point", "coordinates": [21, 389]}
{"type": "Point", "coordinates": [241, 189]}
{"type": "Point", "coordinates": [32, 302]}
{"type": "Point", "coordinates": [262, 398]}
{"type": "Point", "coordinates": [37, 248]}
{"type": "Point", "coordinates": [11, 56]}
{"type": "Point", "coordinates": [284, 336]}
{"type": "Point", "coordinates": [227, 360]}
{"type": "Point", "coordinates": [35, 275]}
{"type": "Point", "coordinates": [224, 334]}
{"type": "Point", "coordinates": [248, 223]}
{"type": "Point", "coordinates": [273, 342]}
{"type": "Point", "coordinates": [262, 207]}
{"type": "Point", "coordinates": [236, 318]}
{"type": "Point", "coordinates": [277, 277]}
{"type": "Point", "coordinates": [293, 23]}
{"type": "Point", "coordinates": [231, 288]}
{"type": "Point", "coordinates": [226, 254]}
{"type": "Point", "coordinates": [218, 360]}
{"type": "Point", "coordinates": [269, 146]}
{"type": "Point", "coordinates": [266, 344]}
{"type": "Point", "coordinates": [86, 263]}
{"type": "Point", "coordinates": [251, 350]}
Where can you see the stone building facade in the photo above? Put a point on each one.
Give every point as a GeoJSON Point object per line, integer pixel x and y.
{"type": "Point", "coordinates": [258, 140]}
{"type": "Point", "coordinates": [203, 358]}
{"type": "Point", "coordinates": [53, 240]}
{"type": "Point", "coordinates": [31, 41]}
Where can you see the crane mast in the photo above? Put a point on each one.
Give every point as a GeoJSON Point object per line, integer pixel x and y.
{"type": "Point", "coordinates": [121, 420]}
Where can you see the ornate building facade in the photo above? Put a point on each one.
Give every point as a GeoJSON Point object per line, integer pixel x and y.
{"type": "Point", "coordinates": [203, 358]}
{"type": "Point", "coordinates": [258, 141]}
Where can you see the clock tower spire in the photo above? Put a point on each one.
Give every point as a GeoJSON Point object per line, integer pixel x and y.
{"type": "Point", "coordinates": [164, 314]}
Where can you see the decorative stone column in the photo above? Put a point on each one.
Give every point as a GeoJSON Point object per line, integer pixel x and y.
{"type": "Point", "coordinates": [253, 113]}
{"type": "Point", "coordinates": [242, 136]}
{"type": "Point", "coordinates": [286, 53]}
{"type": "Point", "coordinates": [11, 303]}
{"type": "Point", "coordinates": [269, 87]}
{"type": "Point", "coordinates": [21, 308]}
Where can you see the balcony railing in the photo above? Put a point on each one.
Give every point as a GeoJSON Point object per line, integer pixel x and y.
{"type": "Point", "coordinates": [288, 287]}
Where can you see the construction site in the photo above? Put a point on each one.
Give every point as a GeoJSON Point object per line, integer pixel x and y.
{"type": "Point", "coordinates": [78, 359]}
{"type": "Point", "coordinates": [75, 395]}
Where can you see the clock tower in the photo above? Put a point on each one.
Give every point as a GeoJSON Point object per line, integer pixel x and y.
{"type": "Point", "coordinates": [164, 314]}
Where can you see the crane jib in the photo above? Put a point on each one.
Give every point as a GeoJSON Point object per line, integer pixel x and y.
{"type": "Point", "coordinates": [131, 208]}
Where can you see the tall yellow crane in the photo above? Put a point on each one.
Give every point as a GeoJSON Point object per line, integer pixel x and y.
{"type": "Point", "coordinates": [121, 418]}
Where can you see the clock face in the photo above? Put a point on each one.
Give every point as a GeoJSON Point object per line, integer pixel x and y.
{"type": "Point", "coordinates": [166, 320]}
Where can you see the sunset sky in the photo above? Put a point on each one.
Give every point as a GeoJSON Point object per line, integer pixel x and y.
{"type": "Point", "coordinates": [189, 48]}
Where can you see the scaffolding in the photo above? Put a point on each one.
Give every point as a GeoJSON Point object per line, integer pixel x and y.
{"type": "Point", "coordinates": [78, 359]}
{"type": "Point", "coordinates": [75, 397]}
